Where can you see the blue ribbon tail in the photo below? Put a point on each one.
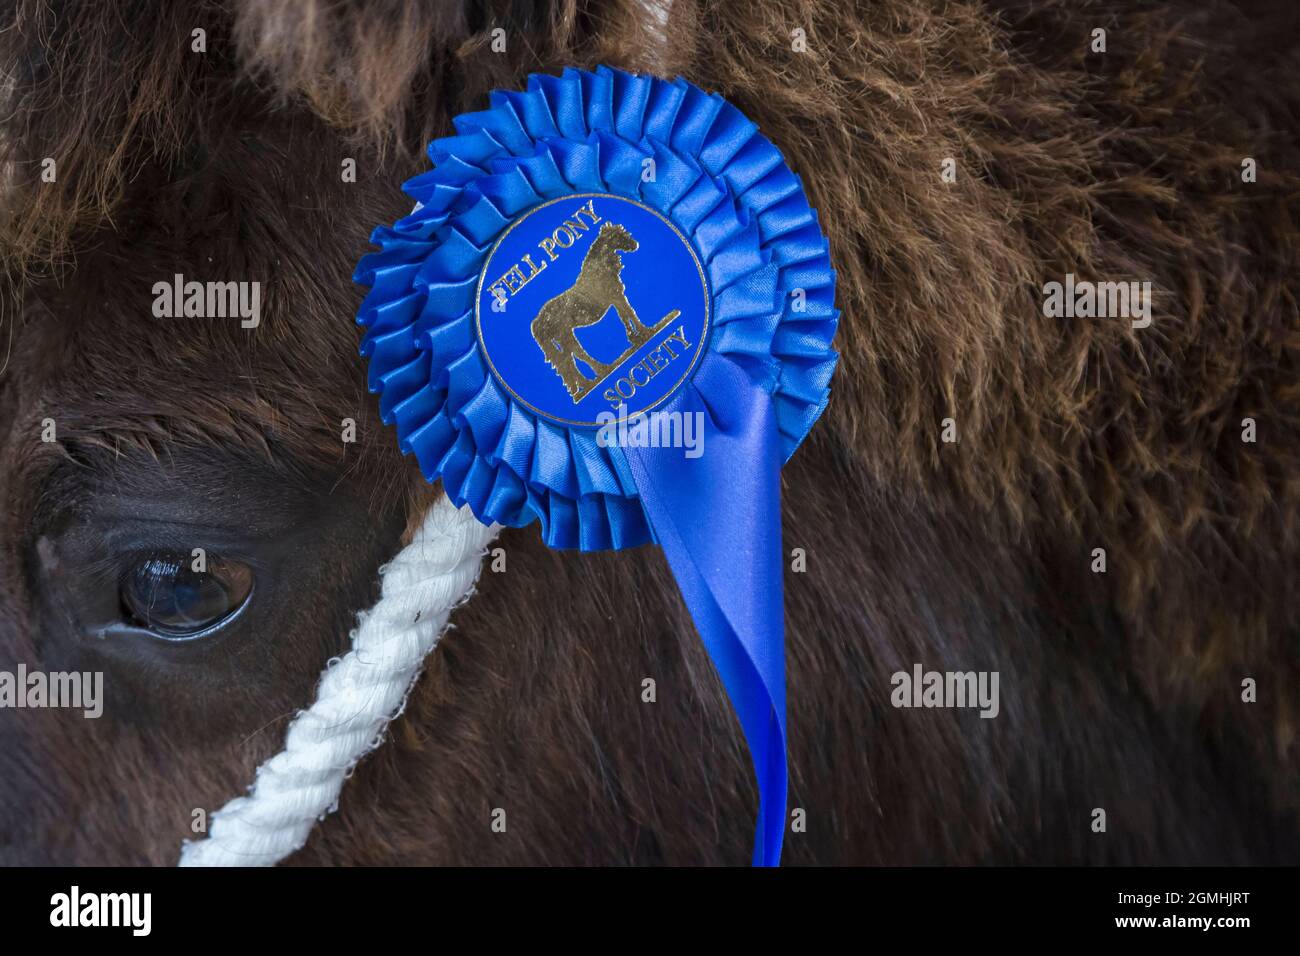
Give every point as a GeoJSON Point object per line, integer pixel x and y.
{"type": "Point", "coordinates": [718, 519]}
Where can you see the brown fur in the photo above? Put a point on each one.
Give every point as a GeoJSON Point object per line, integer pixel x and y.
{"type": "Point", "coordinates": [1119, 690]}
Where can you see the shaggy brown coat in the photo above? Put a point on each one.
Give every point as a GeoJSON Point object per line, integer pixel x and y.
{"type": "Point", "coordinates": [1120, 690]}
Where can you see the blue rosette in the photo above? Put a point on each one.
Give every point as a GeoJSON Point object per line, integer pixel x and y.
{"type": "Point", "coordinates": [584, 256]}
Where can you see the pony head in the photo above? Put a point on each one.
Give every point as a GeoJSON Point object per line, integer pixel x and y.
{"type": "Point", "coordinates": [615, 238]}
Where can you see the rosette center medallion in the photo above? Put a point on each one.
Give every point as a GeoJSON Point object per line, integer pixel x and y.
{"type": "Point", "coordinates": [589, 304]}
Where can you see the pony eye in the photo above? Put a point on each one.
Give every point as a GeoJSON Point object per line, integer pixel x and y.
{"type": "Point", "coordinates": [163, 593]}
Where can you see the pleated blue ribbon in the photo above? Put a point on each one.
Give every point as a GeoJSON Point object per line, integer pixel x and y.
{"type": "Point", "coordinates": [760, 382]}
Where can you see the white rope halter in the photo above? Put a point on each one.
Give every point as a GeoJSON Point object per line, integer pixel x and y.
{"type": "Point", "coordinates": [358, 695]}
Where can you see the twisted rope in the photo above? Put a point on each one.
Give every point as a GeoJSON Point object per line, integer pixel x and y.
{"type": "Point", "coordinates": [358, 695]}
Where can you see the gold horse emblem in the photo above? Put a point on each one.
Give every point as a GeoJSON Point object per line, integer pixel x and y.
{"type": "Point", "coordinates": [598, 288]}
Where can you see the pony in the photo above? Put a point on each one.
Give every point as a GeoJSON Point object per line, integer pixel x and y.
{"type": "Point", "coordinates": [1105, 516]}
{"type": "Point", "coordinates": [597, 289]}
